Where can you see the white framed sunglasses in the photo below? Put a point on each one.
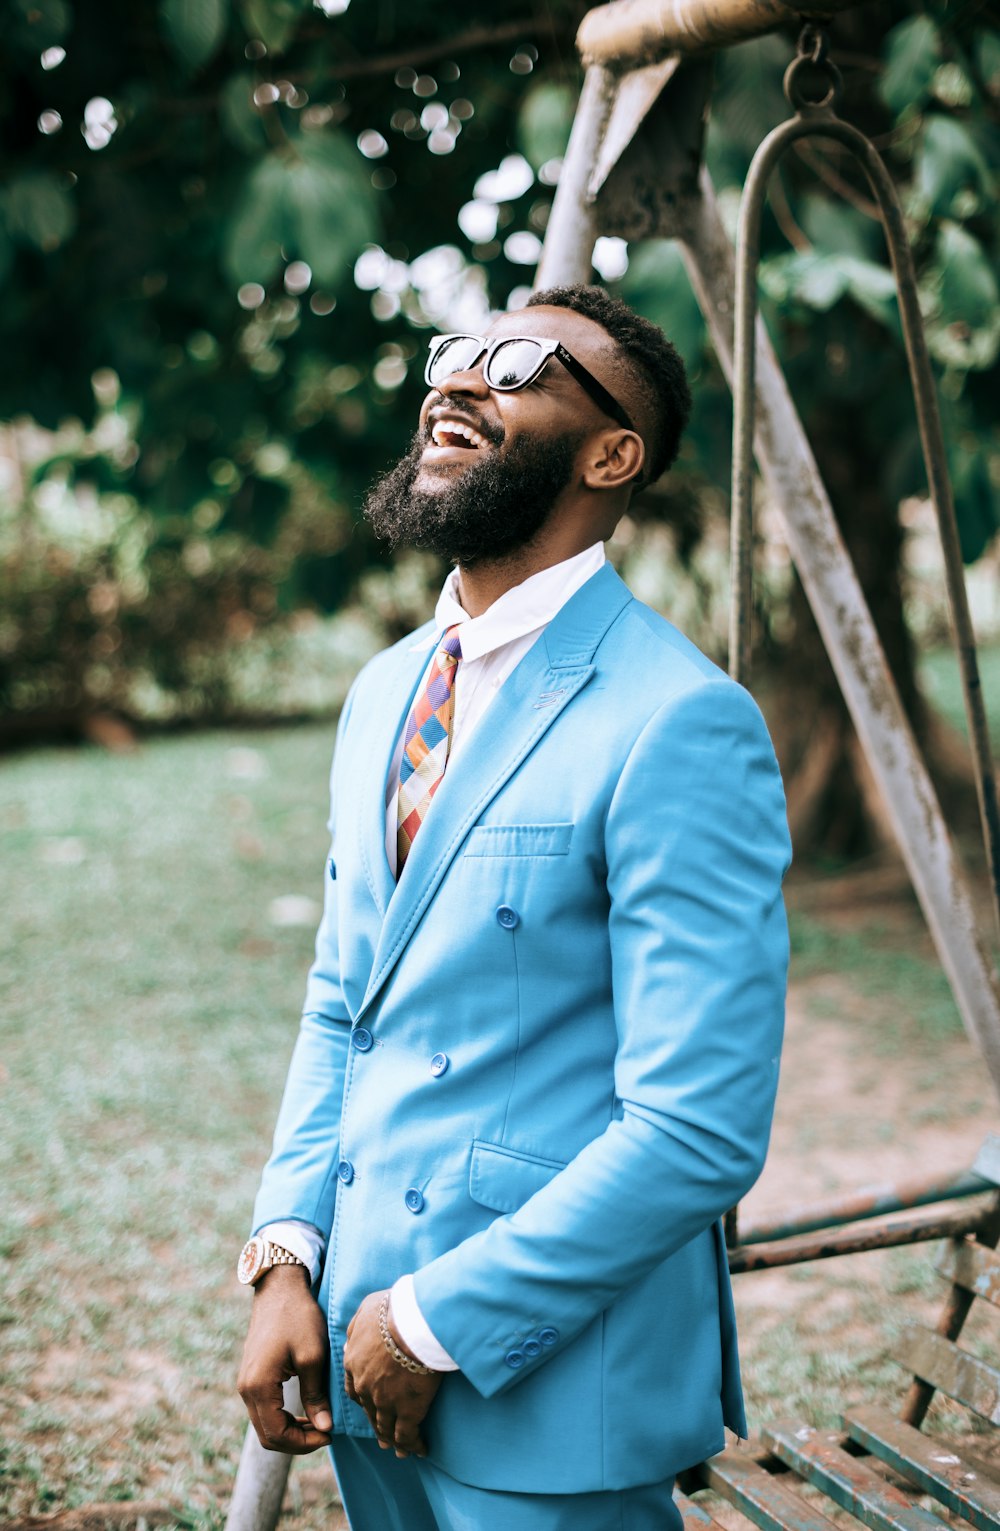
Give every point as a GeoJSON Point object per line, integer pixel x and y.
{"type": "Point", "coordinates": [511, 362]}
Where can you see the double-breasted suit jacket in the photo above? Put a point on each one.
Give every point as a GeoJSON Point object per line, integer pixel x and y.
{"type": "Point", "coordinates": [537, 1070]}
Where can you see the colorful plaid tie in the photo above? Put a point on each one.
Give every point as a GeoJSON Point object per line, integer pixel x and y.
{"type": "Point", "coordinates": [426, 741]}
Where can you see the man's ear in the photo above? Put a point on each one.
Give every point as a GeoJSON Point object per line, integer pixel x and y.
{"type": "Point", "coordinates": [612, 459]}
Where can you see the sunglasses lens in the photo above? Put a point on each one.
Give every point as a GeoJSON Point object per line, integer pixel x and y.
{"type": "Point", "coordinates": [513, 364]}
{"type": "Point", "coordinates": [453, 355]}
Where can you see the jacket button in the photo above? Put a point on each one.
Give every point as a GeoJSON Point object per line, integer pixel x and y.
{"type": "Point", "coordinates": [363, 1040]}
{"type": "Point", "coordinates": [514, 1358]}
{"type": "Point", "coordinates": [531, 1349]}
{"type": "Point", "coordinates": [345, 1169]}
{"type": "Point", "coordinates": [414, 1200]}
{"type": "Point", "coordinates": [439, 1064]}
{"type": "Point", "coordinates": [508, 917]}
{"type": "Point", "coordinates": [548, 1336]}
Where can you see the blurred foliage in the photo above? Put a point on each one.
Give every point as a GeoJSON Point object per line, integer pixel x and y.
{"type": "Point", "coordinates": [228, 226]}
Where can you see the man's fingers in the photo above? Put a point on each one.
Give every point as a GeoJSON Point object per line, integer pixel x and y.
{"type": "Point", "coordinates": [315, 1399]}
{"type": "Point", "coordinates": [277, 1430]}
{"type": "Point", "coordinates": [385, 1427]}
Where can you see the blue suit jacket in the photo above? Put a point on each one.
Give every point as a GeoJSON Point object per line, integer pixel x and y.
{"type": "Point", "coordinates": [538, 1070]}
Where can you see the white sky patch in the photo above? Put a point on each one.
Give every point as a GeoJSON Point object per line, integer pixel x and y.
{"type": "Point", "coordinates": [522, 248]}
{"type": "Point", "coordinates": [510, 180]}
{"type": "Point", "coordinates": [99, 122]}
{"type": "Point", "coordinates": [478, 220]}
{"type": "Point", "coordinates": [610, 258]}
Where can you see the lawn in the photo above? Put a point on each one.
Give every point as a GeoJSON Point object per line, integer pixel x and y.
{"type": "Point", "coordinates": [158, 930]}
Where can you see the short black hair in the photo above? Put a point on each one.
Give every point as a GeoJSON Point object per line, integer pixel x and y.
{"type": "Point", "coordinates": [656, 365]}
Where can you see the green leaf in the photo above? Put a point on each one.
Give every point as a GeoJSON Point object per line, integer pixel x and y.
{"type": "Point", "coordinates": [975, 500]}
{"type": "Point", "coordinates": [963, 329]}
{"type": "Point", "coordinates": [544, 122]}
{"type": "Point", "coordinates": [260, 224]}
{"type": "Point", "coordinates": [987, 50]}
{"type": "Point", "coordinates": [950, 161]}
{"type": "Point", "coordinates": [835, 228]}
{"type": "Point", "coordinates": [803, 276]}
{"type": "Point", "coordinates": [39, 211]}
{"type": "Point", "coordinates": [314, 200]}
{"type": "Point", "coordinates": [657, 286]}
{"type": "Point", "coordinates": [241, 121]}
{"type": "Point", "coordinates": [820, 280]}
{"type": "Point", "coordinates": [275, 22]}
{"type": "Point", "coordinates": [332, 205]}
{"type": "Point", "coordinates": [194, 28]}
{"type": "Point", "coordinates": [913, 52]}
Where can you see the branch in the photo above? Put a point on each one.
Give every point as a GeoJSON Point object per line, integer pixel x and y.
{"type": "Point", "coordinates": [836, 181]}
{"type": "Point", "coordinates": [464, 42]}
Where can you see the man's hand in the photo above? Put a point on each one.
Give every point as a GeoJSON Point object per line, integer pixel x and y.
{"type": "Point", "coordinates": [287, 1338]}
{"type": "Point", "coordinates": [395, 1400]}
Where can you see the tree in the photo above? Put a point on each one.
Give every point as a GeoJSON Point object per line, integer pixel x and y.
{"type": "Point", "coordinates": [233, 222]}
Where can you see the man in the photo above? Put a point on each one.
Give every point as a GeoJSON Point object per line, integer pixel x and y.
{"type": "Point", "coordinates": [540, 1042]}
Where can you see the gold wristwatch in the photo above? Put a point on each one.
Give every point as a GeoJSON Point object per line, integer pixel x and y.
{"type": "Point", "coordinates": [258, 1256]}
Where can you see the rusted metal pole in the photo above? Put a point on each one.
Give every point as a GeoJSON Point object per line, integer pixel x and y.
{"type": "Point", "coordinates": [870, 1201]}
{"type": "Point", "coordinates": [629, 33]}
{"type": "Point", "coordinates": [857, 1238]}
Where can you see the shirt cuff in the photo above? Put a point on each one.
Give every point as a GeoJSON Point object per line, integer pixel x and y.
{"type": "Point", "coordinates": [414, 1330]}
{"type": "Point", "coordinates": [300, 1239]}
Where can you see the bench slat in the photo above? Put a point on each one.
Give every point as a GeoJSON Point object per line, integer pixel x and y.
{"type": "Point", "coordinates": [954, 1371]}
{"type": "Point", "coordinates": [927, 1461]}
{"type": "Point", "coordinates": [759, 1496]}
{"type": "Point", "coordinates": [695, 1516]}
{"type": "Point", "coordinates": [973, 1267]}
{"type": "Point", "coordinates": [819, 1457]}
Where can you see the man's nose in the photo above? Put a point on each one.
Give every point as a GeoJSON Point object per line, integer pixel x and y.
{"type": "Point", "coordinates": [468, 380]}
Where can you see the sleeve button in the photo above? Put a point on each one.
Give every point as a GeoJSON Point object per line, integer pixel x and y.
{"type": "Point", "coordinates": [548, 1336]}
{"type": "Point", "coordinates": [514, 1359]}
{"type": "Point", "coordinates": [531, 1349]}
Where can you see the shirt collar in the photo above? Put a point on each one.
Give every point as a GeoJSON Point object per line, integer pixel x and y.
{"type": "Point", "coordinates": [525, 608]}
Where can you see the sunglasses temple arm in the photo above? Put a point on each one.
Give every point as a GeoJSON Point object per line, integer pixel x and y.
{"type": "Point", "coordinates": [597, 391]}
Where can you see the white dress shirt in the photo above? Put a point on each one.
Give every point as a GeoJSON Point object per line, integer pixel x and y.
{"type": "Point", "coordinates": [492, 645]}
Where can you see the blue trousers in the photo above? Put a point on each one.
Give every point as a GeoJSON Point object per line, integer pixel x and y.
{"type": "Point", "coordinates": [380, 1492]}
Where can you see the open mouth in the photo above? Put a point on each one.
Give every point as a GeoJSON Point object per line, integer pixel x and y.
{"type": "Point", "coordinates": [454, 433]}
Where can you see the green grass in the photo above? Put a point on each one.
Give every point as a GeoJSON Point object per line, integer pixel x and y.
{"type": "Point", "coordinates": [148, 1010]}
{"type": "Point", "coordinates": [939, 678]}
{"type": "Point", "coordinates": [884, 971]}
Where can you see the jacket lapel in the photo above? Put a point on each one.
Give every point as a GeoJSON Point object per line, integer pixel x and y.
{"type": "Point", "coordinates": [547, 679]}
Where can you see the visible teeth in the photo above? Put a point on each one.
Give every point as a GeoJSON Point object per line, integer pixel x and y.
{"type": "Point", "coordinates": [443, 428]}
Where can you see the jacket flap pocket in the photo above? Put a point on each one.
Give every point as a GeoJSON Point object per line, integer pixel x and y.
{"type": "Point", "coordinates": [519, 840]}
{"type": "Point", "coordinates": [503, 1179]}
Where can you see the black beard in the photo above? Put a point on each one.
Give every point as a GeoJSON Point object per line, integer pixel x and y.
{"type": "Point", "coordinates": [494, 506]}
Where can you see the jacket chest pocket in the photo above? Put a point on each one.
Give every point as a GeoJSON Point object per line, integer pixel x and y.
{"type": "Point", "coordinates": [527, 840]}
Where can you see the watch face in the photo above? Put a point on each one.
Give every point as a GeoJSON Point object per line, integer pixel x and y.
{"type": "Point", "coordinates": [251, 1261]}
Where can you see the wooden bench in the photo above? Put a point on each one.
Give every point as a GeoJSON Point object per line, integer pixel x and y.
{"type": "Point", "coordinates": [879, 1467]}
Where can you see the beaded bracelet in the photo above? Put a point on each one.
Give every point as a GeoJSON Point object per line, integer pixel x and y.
{"type": "Point", "coordinates": [399, 1356]}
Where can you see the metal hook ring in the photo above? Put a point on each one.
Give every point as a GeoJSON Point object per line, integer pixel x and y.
{"type": "Point", "coordinates": [806, 70]}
